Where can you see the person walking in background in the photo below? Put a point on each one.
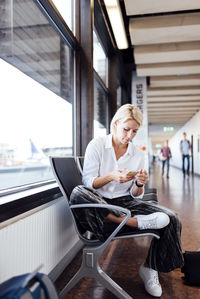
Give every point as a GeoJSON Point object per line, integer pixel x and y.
{"type": "Point", "coordinates": [185, 148]}
{"type": "Point", "coordinates": [166, 155]}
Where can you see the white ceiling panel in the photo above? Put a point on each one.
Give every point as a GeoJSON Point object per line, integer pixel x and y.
{"type": "Point", "coordinates": [137, 7]}
{"type": "Point", "coordinates": [165, 29]}
{"type": "Point", "coordinates": [179, 108]}
{"type": "Point", "coordinates": [172, 114]}
{"type": "Point", "coordinates": [163, 69]}
{"type": "Point", "coordinates": [172, 81]}
{"type": "Point", "coordinates": [172, 52]}
{"type": "Point", "coordinates": [190, 104]}
{"type": "Point", "coordinates": [174, 99]}
{"type": "Point", "coordinates": [169, 91]}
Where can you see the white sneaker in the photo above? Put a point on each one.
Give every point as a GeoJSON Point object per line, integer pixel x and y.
{"type": "Point", "coordinates": [151, 281]}
{"type": "Point", "coordinates": [152, 221]}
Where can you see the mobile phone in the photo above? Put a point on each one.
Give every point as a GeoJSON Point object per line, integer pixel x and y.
{"type": "Point", "coordinates": [132, 172]}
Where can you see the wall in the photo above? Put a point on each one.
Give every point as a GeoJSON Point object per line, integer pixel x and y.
{"type": "Point", "coordinates": [192, 127]}
{"type": "Point", "coordinates": [41, 236]}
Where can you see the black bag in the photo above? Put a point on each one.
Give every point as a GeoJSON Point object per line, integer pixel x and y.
{"type": "Point", "coordinates": [29, 286]}
{"type": "Point", "coordinates": [191, 268]}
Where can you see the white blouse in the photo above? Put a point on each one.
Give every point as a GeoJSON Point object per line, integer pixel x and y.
{"type": "Point", "coordinates": [100, 159]}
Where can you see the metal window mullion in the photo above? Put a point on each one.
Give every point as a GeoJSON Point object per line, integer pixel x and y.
{"type": "Point", "coordinates": [58, 23]}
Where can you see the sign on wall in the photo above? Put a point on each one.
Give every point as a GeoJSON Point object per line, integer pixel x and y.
{"type": "Point", "coordinates": [139, 99]}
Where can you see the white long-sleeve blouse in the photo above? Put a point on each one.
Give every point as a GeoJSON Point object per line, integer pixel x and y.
{"type": "Point", "coordinates": [100, 159]}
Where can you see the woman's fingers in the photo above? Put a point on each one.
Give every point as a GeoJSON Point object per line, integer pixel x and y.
{"type": "Point", "coordinates": [142, 177]}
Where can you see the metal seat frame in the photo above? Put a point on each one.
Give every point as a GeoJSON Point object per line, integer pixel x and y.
{"type": "Point", "coordinates": [62, 168]}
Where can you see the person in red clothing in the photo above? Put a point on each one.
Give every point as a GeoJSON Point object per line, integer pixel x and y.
{"type": "Point", "coordinates": [166, 155]}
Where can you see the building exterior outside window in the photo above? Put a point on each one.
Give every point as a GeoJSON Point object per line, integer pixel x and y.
{"type": "Point", "coordinates": [66, 9]}
{"type": "Point", "coordinates": [100, 61]}
{"type": "Point", "coordinates": [37, 94]}
{"type": "Point", "coordinates": [100, 110]}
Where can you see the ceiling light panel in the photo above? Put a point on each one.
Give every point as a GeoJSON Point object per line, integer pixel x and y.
{"type": "Point", "coordinates": [117, 23]}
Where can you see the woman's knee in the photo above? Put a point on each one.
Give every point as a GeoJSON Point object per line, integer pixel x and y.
{"type": "Point", "coordinates": [175, 221]}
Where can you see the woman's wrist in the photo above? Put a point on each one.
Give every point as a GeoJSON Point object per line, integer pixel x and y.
{"type": "Point", "coordinates": [138, 185]}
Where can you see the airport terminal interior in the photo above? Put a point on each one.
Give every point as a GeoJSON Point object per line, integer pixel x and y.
{"type": "Point", "coordinates": [66, 66]}
{"type": "Point", "coordinates": [122, 258]}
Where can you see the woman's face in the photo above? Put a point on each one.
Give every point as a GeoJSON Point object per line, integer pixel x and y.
{"type": "Point", "coordinates": [126, 131]}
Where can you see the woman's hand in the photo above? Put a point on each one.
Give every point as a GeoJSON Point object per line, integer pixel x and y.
{"type": "Point", "coordinates": [121, 175]}
{"type": "Point", "coordinates": [117, 175]}
{"type": "Point", "coordinates": [142, 177]}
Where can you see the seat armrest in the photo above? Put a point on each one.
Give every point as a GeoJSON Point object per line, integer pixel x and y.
{"type": "Point", "coordinates": [107, 206]}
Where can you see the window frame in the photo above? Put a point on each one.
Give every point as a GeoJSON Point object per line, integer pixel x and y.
{"type": "Point", "coordinates": [17, 200]}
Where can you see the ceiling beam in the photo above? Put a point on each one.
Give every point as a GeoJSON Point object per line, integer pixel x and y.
{"type": "Point", "coordinates": [180, 123]}
{"type": "Point", "coordinates": [163, 69]}
{"type": "Point", "coordinates": [165, 29]}
{"type": "Point", "coordinates": [169, 120]}
{"type": "Point", "coordinates": [170, 81]}
{"type": "Point", "coordinates": [179, 109]}
{"type": "Point", "coordinates": [179, 99]}
{"type": "Point", "coordinates": [168, 91]}
{"type": "Point", "coordinates": [164, 112]}
{"type": "Point", "coordinates": [172, 52]}
{"type": "Point", "coordinates": [174, 104]}
{"type": "Point", "coordinates": [138, 7]}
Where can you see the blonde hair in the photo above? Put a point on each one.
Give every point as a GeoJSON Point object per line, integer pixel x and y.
{"type": "Point", "coordinates": [125, 113]}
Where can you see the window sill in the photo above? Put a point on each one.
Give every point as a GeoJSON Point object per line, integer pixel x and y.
{"type": "Point", "coordinates": [14, 204]}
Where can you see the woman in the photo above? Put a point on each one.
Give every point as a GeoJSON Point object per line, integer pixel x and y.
{"type": "Point", "coordinates": [166, 155]}
{"type": "Point", "coordinates": [107, 165]}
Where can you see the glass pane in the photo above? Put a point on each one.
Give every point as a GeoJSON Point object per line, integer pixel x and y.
{"type": "Point", "coordinates": [99, 59]}
{"type": "Point", "coordinates": [66, 10]}
{"type": "Point", "coordinates": [119, 96]}
{"type": "Point", "coordinates": [36, 75]}
{"type": "Point", "coordinates": [100, 111]}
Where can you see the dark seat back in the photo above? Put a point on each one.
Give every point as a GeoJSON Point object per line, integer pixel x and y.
{"type": "Point", "coordinates": [65, 168]}
{"type": "Point", "coordinates": [68, 177]}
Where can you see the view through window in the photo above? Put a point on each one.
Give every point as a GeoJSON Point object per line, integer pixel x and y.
{"type": "Point", "coordinates": [100, 110]}
{"type": "Point", "coordinates": [37, 90]}
{"type": "Point", "coordinates": [99, 59]}
{"type": "Point", "coordinates": [66, 9]}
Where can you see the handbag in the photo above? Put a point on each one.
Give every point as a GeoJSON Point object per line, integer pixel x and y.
{"type": "Point", "coordinates": [33, 285]}
{"type": "Point", "coordinates": [191, 268]}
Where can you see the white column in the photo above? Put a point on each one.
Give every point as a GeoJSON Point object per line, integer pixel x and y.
{"type": "Point", "coordinates": [139, 99]}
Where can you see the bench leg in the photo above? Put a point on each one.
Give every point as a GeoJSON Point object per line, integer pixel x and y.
{"type": "Point", "coordinates": [90, 268]}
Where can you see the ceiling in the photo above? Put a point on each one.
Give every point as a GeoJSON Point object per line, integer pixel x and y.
{"type": "Point", "coordinates": [165, 40]}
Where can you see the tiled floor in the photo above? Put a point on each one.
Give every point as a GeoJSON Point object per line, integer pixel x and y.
{"type": "Point", "coordinates": [121, 259]}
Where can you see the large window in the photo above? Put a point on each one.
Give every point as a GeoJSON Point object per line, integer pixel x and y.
{"type": "Point", "coordinates": [100, 62]}
{"type": "Point", "coordinates": [100, 110]}
{"type": "Point", "coordinates": [66, 9]}
{"type": "Point", "coordinates": [37, 87]}
{"type": "Point", "coordinates": [119, 96]}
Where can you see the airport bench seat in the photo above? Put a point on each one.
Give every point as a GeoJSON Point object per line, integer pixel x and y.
{"type": "Point", "coordinates": [68, 176]}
